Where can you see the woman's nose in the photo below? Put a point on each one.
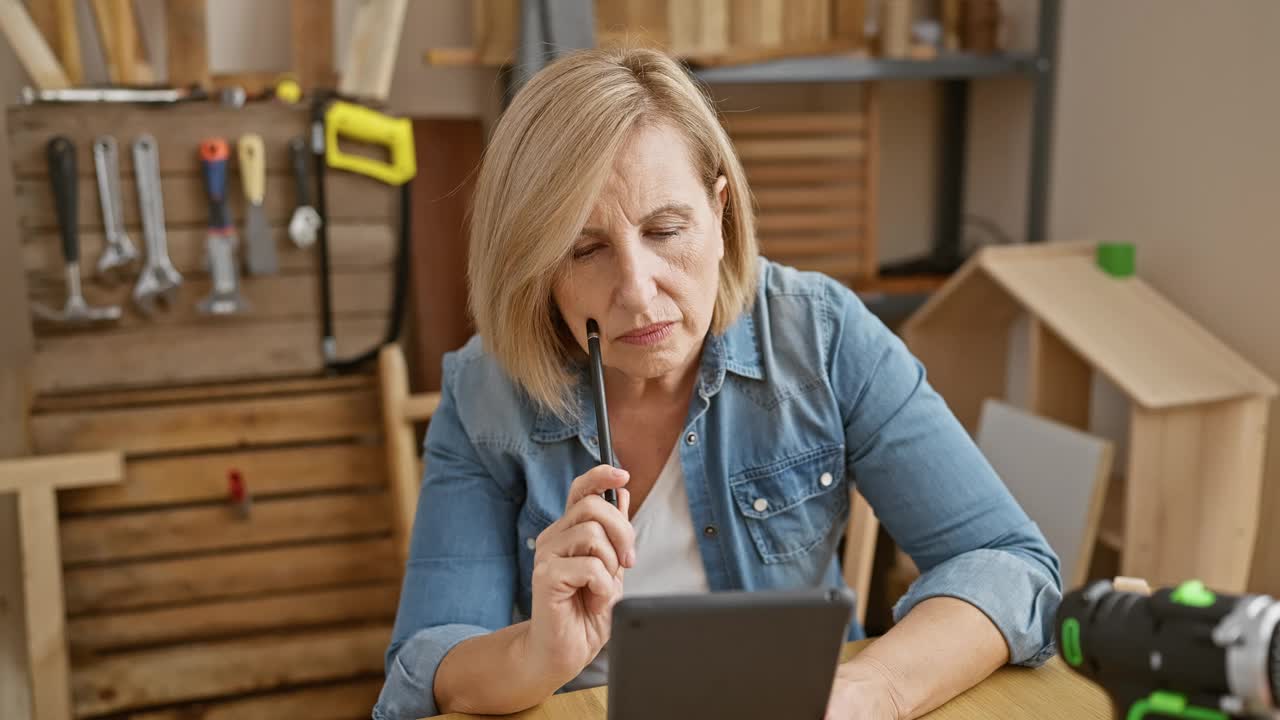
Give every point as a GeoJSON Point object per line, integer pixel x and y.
{"type": "Point", "coordinates": [637, 278]}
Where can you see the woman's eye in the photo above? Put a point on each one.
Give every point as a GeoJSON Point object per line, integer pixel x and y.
{"type": "Point", "coordinates": [585, 251]}
{"type": "Point", "coordinates": [665, 233]}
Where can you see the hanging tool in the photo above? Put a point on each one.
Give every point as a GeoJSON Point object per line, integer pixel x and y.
{"type": "Point", "coordinates": [1183, 652]}
{"type": "Point", "coordinates": [220, 242]}
{"type": "Point", "coordinates": [119, 251]}
{"type": "Point", "coordinates": [238, 494]}
{"type": "Point", "coordinates": [159, 280]}
{"type": "Point", "coordinates": [331, 119]}
{"type": "Point", "coordinates": [261, 253]}
{"type": "Point", "coordinates": [305, 222]}
{"type": "Point", "coordinates": [146, 96]}
{"type": "Point", "coordinates": [62, 175]}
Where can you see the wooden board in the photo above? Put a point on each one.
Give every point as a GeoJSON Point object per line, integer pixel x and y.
{"type": "Point", "coordinates": [267, 472]}
{"type": "Point", "coordinates": [229, 575]}
{"type": "Point", "coordinates": [1056, 473]}
{"type": "Point", "coordinates": [700, 27]}
{"type": "Point", "coordinates": [1194, 484]}
{"type": "Point", "coordinates": [62, 471]}
{"type": "Point", "coordinates": [156, 677]}
{"type": "Point", "coordinates": [223, 619]}
{"type": "Point", "coordinates": [174, 531]}
{"type": "Point", "coordinates": [186, 23]}
{"type": "Point", "coordinates": [340, 701]}
{"type": "Point", "coordinates": [29, 45]}
{"type": "Point", "coordinates": [311, 39]}
{"type": "Point", "coordinates": [1060, 379]}
{"type": "Point", "coordinates": [211, 425]}
{"type": "Point", "coordinates": [371, 50]}
{"type": "Point", "coordinates": [1156, 353]}
{"type": "Point", "coordinates": [207, 353]}
{"type": "Point", "coordinates": [45, 616]}
{"type": "Point", "coordinates": [756, 23]}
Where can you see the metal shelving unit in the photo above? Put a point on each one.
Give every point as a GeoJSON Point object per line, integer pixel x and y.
{"type": "Point", "coordinates": [955, 72]}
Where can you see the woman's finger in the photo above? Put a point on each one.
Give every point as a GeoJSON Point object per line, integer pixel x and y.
{"type": "Point", "coordinates": [595, 481]}
{"type": "Point", "coordinates": [567, 575]}
{"type": "Point", "coordinates": [584, 539]}
{"type": "Point", "coordinates": [620, 531]}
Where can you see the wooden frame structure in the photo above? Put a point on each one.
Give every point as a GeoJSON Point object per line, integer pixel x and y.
{"type": "Point", "coordinates": [1198, 412]}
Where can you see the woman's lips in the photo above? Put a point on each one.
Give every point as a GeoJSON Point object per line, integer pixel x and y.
{"type": "Point", "coordinates": [648, 335]}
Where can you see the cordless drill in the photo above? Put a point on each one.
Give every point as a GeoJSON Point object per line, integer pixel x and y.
{"type": "Point", "coordinates": [1185, 653]}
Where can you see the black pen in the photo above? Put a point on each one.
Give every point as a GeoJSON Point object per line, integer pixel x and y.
{"type": "Point", "coordinates": [602, 410]}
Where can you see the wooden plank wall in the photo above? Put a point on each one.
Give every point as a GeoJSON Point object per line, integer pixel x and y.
{"type": "Point", "coordinates": [179, 603]}
{"type": "Point", "coordinates": [279, 337]}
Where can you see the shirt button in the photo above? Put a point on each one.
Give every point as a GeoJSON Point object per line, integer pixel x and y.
{"type": "Point", "coordinates": [760, 505]}
{"type": "Point", "coordinates": [530, 543]}
{"type": "Point", "coordinates": [592, 441]}
{"type": "Point", "coordinates": [691, 438]}
{"type": "Point", "coordinates": [825, 480]}
{"type": "Point", "coordinates": [710, 531]}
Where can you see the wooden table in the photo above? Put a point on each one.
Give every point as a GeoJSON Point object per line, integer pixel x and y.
{"type": "Point", "coordinates": [1052, 692]}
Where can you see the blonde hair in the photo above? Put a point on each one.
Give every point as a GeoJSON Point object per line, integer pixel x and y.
{"type": "Point", "coordinates": [550, 152]}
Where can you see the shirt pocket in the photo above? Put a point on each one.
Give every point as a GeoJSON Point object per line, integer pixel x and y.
{"type": "Point", "coordinates": [790, 506]}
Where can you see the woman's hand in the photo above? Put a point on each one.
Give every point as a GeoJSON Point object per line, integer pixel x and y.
{"type": "Point", "coordinates": [862, 691]}
{"type": "Point", "coordinates": [577, 573]}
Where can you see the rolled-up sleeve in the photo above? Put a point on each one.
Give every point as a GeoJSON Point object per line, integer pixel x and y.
{"type": "Point", "coordinates": [934, 491]}
{"type": "Point", "coordinates": [460, 580]}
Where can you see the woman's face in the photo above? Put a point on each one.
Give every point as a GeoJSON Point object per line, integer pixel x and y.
{"type": "Point", "coordinates": [647, 264]}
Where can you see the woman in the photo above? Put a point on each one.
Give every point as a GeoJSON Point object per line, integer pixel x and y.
{"type": "Point", "coordinates": [746, 400]}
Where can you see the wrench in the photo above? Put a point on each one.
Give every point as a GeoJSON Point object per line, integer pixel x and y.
{"type": "Point", "coordinates": [158, 279]}
{"type": "Point", "coordinates": [119, 251]}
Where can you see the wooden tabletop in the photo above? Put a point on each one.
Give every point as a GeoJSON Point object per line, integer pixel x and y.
{"type": "Point", "coordinates": [1052, 692]}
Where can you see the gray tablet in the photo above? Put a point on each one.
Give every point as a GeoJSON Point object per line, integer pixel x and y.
{"type": "Point", "coordinates": [741, 655]}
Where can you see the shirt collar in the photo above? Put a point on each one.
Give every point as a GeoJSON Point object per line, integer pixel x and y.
{"type": "Point", "coordinates": [736, 351]}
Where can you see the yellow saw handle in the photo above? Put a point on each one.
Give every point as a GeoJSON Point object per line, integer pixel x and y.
{"type": "Point", "coordinates": [370, 126]}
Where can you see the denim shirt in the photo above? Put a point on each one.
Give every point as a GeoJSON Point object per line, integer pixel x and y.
{"type": "Point", "coordinates": [804, 398]}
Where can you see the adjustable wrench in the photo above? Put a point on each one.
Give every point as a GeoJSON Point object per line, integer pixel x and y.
{"type": "Point", "coordinates": [158, 278]}
{"type": "Point", "coordinates": [119, 251]}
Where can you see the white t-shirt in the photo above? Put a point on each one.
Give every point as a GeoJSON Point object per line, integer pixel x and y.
{"type": "Point", "coordinates": [667, 557]}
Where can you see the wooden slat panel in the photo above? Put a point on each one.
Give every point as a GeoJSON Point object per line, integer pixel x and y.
{"type": "Point", "coordinates": [171, 675]}
{"type": "Point", "coordinates": [788, 198]}
{"type": "Point", "coordinates": [806, 23]}
{"type": "Point", "coordinates": [812, 220]}
{"type": "Point", "coordinates": [178, 130]}
{"type": "Point", "coordinates": [229, 575]}
{"type": "Point", "coordinates": [751, 150]}
{"type": "Point", "coordinates": [203, 426]}
{"type": "Point", "coordinates": [698, 28]}
{"type": "Point", "coordinates": [182, 355]}
{"type": "Point", "coordinates": [793, 247]}
{"type": "Point", "coordinates": [233, 617]}
{"type": "Point", "coordinates": [741, 125]}
{"type": "Point", "coordinates": [44, 614]}
{"type": "Point", "coordinates": [755, 23]}
{"type": "Point", "coordinates": [351, 247]}
{"type": "Point", "coordinates": [186, 202]}
{"type": "Point", "coordinates": [815, 173]}
{"type": "Point", "coordinates": [203, 478]}
{"type": "Point", "coordinates": [187, 39]}
{"type": "Point", "coordinates": [118, 399]}
{"type": "Point", "coordinates": [156, 533]}
{"type": "Point", "coordinates": [345, 701]}
{"type": "Point", "coordinates": [843, 266]}
{"type": "Point", "coordinates": [271, 298]}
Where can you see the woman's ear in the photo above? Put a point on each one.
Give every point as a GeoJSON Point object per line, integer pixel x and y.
{"type": "Point", "coordinates": [721, 192]}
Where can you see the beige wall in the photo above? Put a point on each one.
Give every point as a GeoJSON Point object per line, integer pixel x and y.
{"type": "Point", "coordinates": [1166, 137]}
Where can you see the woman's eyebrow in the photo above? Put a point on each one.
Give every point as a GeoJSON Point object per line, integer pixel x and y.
{"type": "Point", "coordinates": [678, 208]}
